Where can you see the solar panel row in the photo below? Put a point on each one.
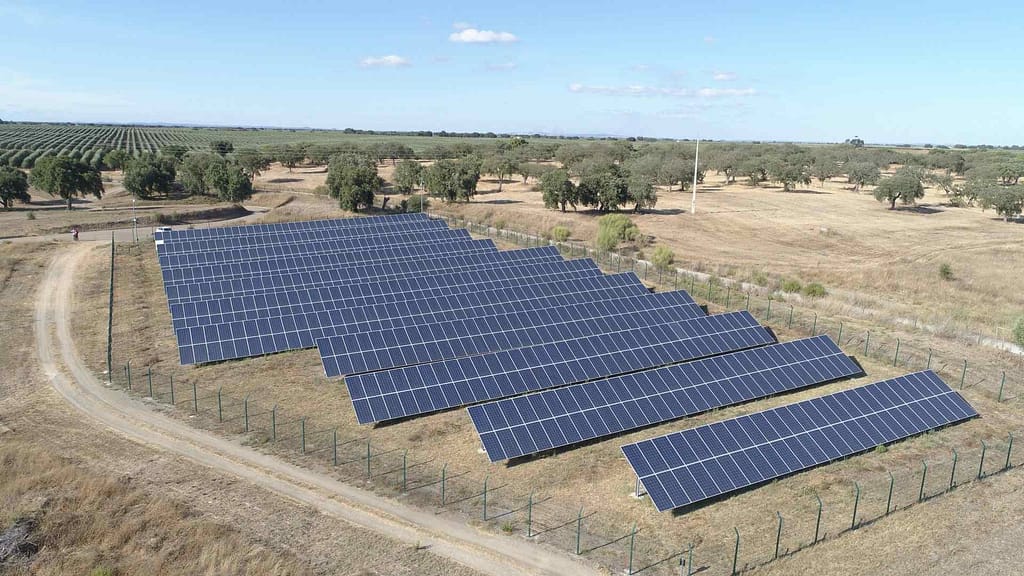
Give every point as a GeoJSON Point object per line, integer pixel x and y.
{"type": "Point", "coordinates": [525, 425]}
{"type": "Point", "coordinates": [686, 467]}
{"type": "Point", "coordinates": [257, 229]}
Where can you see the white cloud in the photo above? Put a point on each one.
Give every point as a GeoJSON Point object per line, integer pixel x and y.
{"type": "Point", "coordinates": [642, 90]}
{"type": "Point", "coordinates": [389, 61]}
{"type": "Point", "coordinates": [502, 66]}
{"type": "Point", "coordinates": [474, 36]}
{"type": "Point", "coordinates": [724, 76]}
{"type": "Point", "coordinates": [462, 25]}
{"type": "Point", "coordinates": [640, 67]}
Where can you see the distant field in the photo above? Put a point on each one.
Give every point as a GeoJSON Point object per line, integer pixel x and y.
{"type": "Point", "coordinates": [23, 144]}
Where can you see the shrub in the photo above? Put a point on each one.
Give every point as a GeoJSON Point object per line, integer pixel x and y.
{"type": "Point", "coordinates": [663, 258]}
{"type": "Point", "coordinates": [946, 271]}
{"type": "Point", "coordinates": [560, 233]}
{"type": "Point", "coordinates": [881, 449]}
{"type": "Point", "coordinates": [416, 203]}
{"type": "Point", "coordinates": [161, 218]}
{"type": "Point", "coordinates": [102, 572]}
{"type": "Point", "coordinates": [791, 286]}
{"type": "Point", "coordinates": [1018, 331]}
{"type": "Point", "coordinates": [614, 228]}
{"type": "Point", "coordinates": [815, 290]}
{"type": "Point", "coordinates": [30, 215]}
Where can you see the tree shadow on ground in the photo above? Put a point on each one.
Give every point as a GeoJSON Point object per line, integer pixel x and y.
{"type": "Point", "coordinates": [923, 209]}
{"type": "Point", "coordinates": [501, 201]}
{"type": "Point", "coordinates": [662, 211]}
{"type": "Point", "coordinates": [284, 180]}
{"type": "Point", "coordinates": [802, 191]}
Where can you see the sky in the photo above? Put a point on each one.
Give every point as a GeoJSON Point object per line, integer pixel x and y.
{"type": "Point", "coordinates": [936, 72]}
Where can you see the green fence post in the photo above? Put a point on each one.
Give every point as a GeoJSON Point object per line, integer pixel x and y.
{"type": "Point", "coordinates": [220, 404]}
{"type": "Point", "coordinates": [273, 424]}
{"type": "Point", "coordinates": [856, 502]}
{"type": "Point", "coordinates": [790, 323]}
{"type": "Point", "coordinates": [981, 463]}
{"type": "Point", "coordinates": [768, 314]}
{"type": "Point", "coordinates": [928, 364]}
{"type": "Point", "coordinates": [814, 327]}
{"type": "Point", "coordinates": [924, 474]}
{"type": "Point", "coordinates": [689, 561]}
{"type": "Point", "coordinates": [444, 469]}
{"type": "Point", "coordinates": [368, 456]}
{"type": "Point", "coordinates": [149, 378]}
{"type": "Point", "coordinates": [747, 305]}
{"type": "Point", "coordinates": [335, 446]}
{"type": "Point", "coordinates": [1009, 449]}
{"type": "Point", "coordinates": [693, 278]}
{"type": "Point", "coordinates": [195, 398]}
{"type": "Point", "coordinates": [171, 380]}
{"type": "Point", "coordinates": [486, 478]}
{"type": "Point", "coordinates": [999, 399]}
{"type": "Point", "coordinates": [529, 517]}
{"type": "Point", "coordinates": [728, 296]}
{"type": "Point", "coordinates": [579, 528]}
{"type": "Point", "coordinates": [840, 338]}
{"type": "Point", "coordinates": [736, 551]}
{"type": "Point", "coordinates": [128, 373]}
{"type": "Point", "coordinates": [405, 470]}
{"type": "Point", "coordinates": [675, 285]}
{"type": "Point", "coordinates": [817, 523]}
{"type": "Point", "coordinates": [888, 501]}
{"type": "Point", "coordinates": [952, 472]}
{"type": "Point", "coordinates": [710, 286]}
{"type": "Point", "coordinates": [867, 339]}
{"type": "Point", "coordinates": [245, 412]}
{"type": "Point", "coordinates": [778, 535]}
{"type": "Point", "coordinates": [632, 541]}
{"type": "Point", "coordinates": [963, 375]}
{"type": "Point", "coordinates": [303, 424]}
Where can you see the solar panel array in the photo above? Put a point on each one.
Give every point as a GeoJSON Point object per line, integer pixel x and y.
{"type": "Point", "coordinates": [545, 353]}
{"type": "Point", "coordinates": [687, 467]}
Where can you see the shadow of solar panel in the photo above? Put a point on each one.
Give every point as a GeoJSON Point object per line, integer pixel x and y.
{"type": "Point", "coordinates": [424, 388]}
{"type": "Point", "coordinates": [592, 410]}
{"type": "Point", "coordinates": [410, 296]}
{"type": "Point", "coordinates": [361, 274]}
{"type": "Point", "coordinates": [354, 353]}
{"type": "Point", "coordinates": [709, 461]}
{"type": "Point", "coordinates": [267, 335]}
{"type": "Point", "coordinates": [284, 252]}
{"type": "Point", "coordinates": [298, 237]}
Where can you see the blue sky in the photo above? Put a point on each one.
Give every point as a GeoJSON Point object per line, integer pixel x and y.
{"type": "Point", "coordinates": [891, 72]}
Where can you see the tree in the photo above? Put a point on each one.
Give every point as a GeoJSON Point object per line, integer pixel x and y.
{"type": "Point", "coordinates": [788, 171]}
{"type": "Point", "coordinates": [252, 161]}
{"type": "Point", "coordinates": [194, 171]}
{"type": "Point", "coordinates": [115, 159]}
{"type": "Point", "coordinates": [641, 193]}
{"type": "Point", "coordinates": [174, 151]}
{"type": "Point", "coordinates": [149, 174]}
{"type": "Point", "coordinates": [602, 185]}
{"type": "Point", "coordinates": [13, 186]}
{"type": "Point", "coordinates": [558, 190]}
{"type": "Point", "coordinates": [904, 185]}
{"type": "Point", "coordinates": [862, 173]}
{"type": "Point", "coordinates": [1007, 202]}
{"type": "Point", "coordinates": [222, 147]}
{"type": "Point", "coordinates": [353, 180]}
{"type": "Point", "coordinates": [468, 176]}
{"type": "Point", "coordinates": [60, 176]}
{"type": "Point", "coordinates": [442, 180]}
{"type": "Point", "coordinates": [1011, 172]}
{"type": "Point", "coordinates": [500, 165]}
{"type": "Point", "coordinates": [230, 180]}
{"type": "Point", "coordinates": [856, 142]}
{"type": "Point", "coordinates": [408, 175]}
{"type": "Point", "coordinates": [290, 156]}
{"type": "Point", "coordinates": [824, 170]}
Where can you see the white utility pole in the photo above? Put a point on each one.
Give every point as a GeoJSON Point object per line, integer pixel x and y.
{"type": "Point", "coordinates": [696, 159]}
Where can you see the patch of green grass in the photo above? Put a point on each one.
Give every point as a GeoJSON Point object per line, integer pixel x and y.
{"type": "Point", "coordinates": [815, 290]}
{"type": "Point", "coordinates": [791, 286]}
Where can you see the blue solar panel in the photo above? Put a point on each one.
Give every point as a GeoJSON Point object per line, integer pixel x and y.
{"type": "Point", "coordinates": [370, 273]}
{"type": "Point", "coordinates": [581, 412]}
{"type": "Point", "coordinates": [286, 251]}
{"type": "Point", "coordinates": [259, 265]}
{"type": "Point", "coordinates": [401, 392]}
{"type": "Point", "coordinates": [417, 344]}
{"type": "Point", "coordinates": [252, 229]}
{"type": "Point", "coordinates": [266, 335]}
{"type": "Point", "coordinates": [687, 467]}
{"type": "Point", "coordinates": [411, 296]}
{"type": "Point", "coordinates": [295, 237]}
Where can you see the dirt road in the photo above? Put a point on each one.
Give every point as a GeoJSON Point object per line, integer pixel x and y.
{"type": "Point", "coordinates": [486, 553]}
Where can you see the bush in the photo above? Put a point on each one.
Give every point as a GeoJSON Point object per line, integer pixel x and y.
{"type": "Point", "coordinates": [614, 228]}
{"type": "Point", "coordinates": [416, 203]}
{"type": "Point", "coordinates": [1018, 331]}
{"type": "Point", "coordinates": [161, 218]}
{"type": "Point", "coordinates": [791, 286]}
{"type": "Point", "coordinates": [560, 233]}
{"type": "Point", "coordinates": [30, 215]}
{"type": "Point", "coordinates": [946, 271]}
{"type": "Point", "coordinates": [815, 290]}
{"type": "Point", "coordinates": [663, 258]}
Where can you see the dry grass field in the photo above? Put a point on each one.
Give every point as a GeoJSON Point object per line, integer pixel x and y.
{"type": "Point", "coordinates": [595, 476]}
